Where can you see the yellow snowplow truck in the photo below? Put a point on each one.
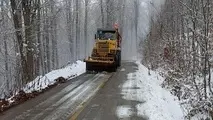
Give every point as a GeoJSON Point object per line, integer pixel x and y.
{"type": "Point", "coordinates": [106, 54]}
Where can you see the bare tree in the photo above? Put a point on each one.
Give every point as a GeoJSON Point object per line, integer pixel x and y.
{"type": "Point", "coordinates": [86, 25]}
{"type": "Point", "coordinates": [77, 25]}
{"type": "Point", "coordinates": [102, 13]}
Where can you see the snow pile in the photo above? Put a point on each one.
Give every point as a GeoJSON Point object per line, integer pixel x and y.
{"type": "Point", "coordinates": [123, 69]}
{"type": "Point", "coordinates": [153, 101]}
{"type": "Point", "coordinates": [69, 72]}
{"type": "Point", "coordinates": [124, 111]}
{"type": "Point", "coordinates": [42, 83]}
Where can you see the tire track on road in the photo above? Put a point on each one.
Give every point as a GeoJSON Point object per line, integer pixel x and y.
{"type": "Point", "coordinates": [44, 106]}
{"type": "Point", "coordinates": [74, 100]}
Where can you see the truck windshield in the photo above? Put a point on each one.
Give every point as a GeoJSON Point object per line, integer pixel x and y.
{"type": "Point", "coordinates": [105, 35]}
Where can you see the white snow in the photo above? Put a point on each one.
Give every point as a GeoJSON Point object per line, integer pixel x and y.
{"type": "Point", "coordinates": [200, 117]}
{"type": "Point", "coordinates": [123, 69]}
{"type": "Point", "coordinates": [124, 111]}
{"type": "Point", "coordinates": [69, 72]}
{"type": "Point", "coordinates": [155, 102]}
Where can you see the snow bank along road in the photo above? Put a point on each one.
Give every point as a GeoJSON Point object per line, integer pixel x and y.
{"type": "Point", "coordinates": [60, 102]}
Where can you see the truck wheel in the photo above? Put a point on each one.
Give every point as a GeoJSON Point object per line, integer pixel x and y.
{"type": "Point", "coordinates": [114, 68]}
{"type": "Point", "coordinates": [115, 65]}
{"type": "Point", "coordinates": [119, 59]}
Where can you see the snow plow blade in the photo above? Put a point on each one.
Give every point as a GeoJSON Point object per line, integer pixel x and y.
{"type": "Point", "coordinates": [100, 66]}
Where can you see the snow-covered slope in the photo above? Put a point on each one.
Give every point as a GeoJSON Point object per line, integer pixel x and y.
{"type": "Point", "coordinates": [155, 102]}
{"type": "Point", "coordinates": [69, 72]}
{"type": "Point", "coordinates": [35, 87]}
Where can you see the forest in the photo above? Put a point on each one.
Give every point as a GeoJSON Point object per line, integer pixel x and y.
{"type": "Point", "coordinates": [179, 44]}
{"type": "Point", "coordinates": [173, 37]}
{"type": "Point", "coordinates": [38, 36]}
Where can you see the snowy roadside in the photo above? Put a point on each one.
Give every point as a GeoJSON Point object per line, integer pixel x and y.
{"type": "Point", "coordinates": [69, 72]}
{"type": "Point", "coordinates": [42, 83]}
{"type": "Point", "coordinates": [181, 85]}
{"type": "Point", "coordinates": [155, 102]}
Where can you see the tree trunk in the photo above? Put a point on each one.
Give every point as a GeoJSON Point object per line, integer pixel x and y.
{"type": "Point", "coordinates": [39, 53]}
{"type": "Point", "coordinates": [77, 31]}
{"type": "Point", "coordinates": [53, 39]}
{"type": "Point", "coordinates": [194, 22]}
{"type": "Point", "coordinates": [4, 23]}
{"type": "Point", "coordinates": [17, 19]}
{"type": "Point", "coordinates": [85, 26]}
{"type": "Point", "coordinates": [136, 5]}
{"type": "Point", "coordinates": [102, 13]}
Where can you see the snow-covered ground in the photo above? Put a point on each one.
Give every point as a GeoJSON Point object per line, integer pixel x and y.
{"type": "Point", "coordinates": [124, 111]}
{"type": "Point", "coordinates": [69, 72]}
{"type": "Point", "coordinates": [42, 82]}
{"type": "Point", "coordinates": [155, 102]}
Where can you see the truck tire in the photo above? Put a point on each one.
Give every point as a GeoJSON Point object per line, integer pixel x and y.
{"type": "Point", "coordinates": [118, 54]}
{"type": "Point", "coordinates": [114, 69]}
{"type": "Point", "coordinates": [119, 59]}
{"type": "Point", "coordinates": [115, 65]}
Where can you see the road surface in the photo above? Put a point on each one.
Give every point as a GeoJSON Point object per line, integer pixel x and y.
{"type": "Point", "coordinates": [87, 97]}
{"type": "Point", "coordinates": [60, 102]}
{"type": "Point", "coordinates": [105, 104]}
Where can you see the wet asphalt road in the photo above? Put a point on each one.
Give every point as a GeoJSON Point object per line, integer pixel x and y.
{"type": "Point", "coordinates": [106, 102]}
{"type": "Point", "coordinates": [58, 103]}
